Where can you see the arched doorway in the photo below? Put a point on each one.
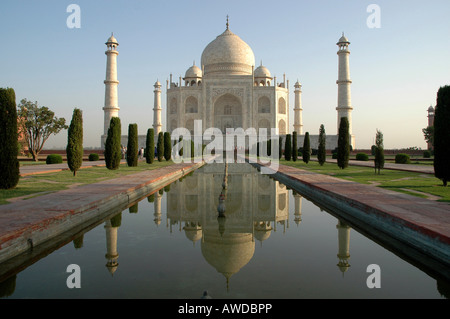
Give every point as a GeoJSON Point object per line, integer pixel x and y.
{"type": "Point", "coordinates": [227, 112]}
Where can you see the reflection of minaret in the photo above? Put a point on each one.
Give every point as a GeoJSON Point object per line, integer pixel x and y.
{"type": "Point", "coordinates": [344, 246]}
{"type": "Point", "coordinates": [157, 208]}
{"type": "Point", "coordinates": [111, 247]}
{"type": "Point", "coordinates": [298, 208]}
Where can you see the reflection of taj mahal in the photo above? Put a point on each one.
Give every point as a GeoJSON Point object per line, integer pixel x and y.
{"type": "Point", "coordinates": [229, 91]}
{"type": "Point", "coordinates": [254, 206]}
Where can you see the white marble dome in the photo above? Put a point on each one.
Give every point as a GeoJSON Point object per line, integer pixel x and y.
{"type": "Point", "coordinates": [262, 72]}
{"type": "Point", "coordinates": [228, 54]}
{"type": "Point", "coordinates": [193, 72]}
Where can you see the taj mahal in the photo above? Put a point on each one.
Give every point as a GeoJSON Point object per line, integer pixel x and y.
{"type": "Point", "coordinates": [228, 91]}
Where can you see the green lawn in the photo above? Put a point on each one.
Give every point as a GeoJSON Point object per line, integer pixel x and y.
{"type": "Point", "coordinates": [417, 184]}
{"type": "Point", "coordinates": [35, 185]}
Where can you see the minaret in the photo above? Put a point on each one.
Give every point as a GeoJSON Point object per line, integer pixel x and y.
{"type": "Point", "coordinates": [298, 123]}
{"type": "Point", "coordinates": [111, 108]}
{"type": "Point", "coordinates": [157, 109]}
{"type": "Point", "coordinates": [430, 123]}
{"type": "Point", "coordinates": [344, 107]}
{"type": "Point", "coordinates": [431, 116]}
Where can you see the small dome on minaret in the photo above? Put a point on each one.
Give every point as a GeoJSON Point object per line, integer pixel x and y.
{"type": "Point", "coordinates": [112, 40]}
{"type": "Point", "coordinates": [343, 40]}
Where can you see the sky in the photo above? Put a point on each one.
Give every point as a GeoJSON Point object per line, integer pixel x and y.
{"type": "Point", "coordinates": [400, 57]}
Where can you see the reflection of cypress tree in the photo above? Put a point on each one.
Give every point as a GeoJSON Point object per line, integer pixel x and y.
{"type": "Point", "coordinates": [151, 198]}
{"type": "Point", "coordinates": [134, 209]}
{"type": "Point", "coordinates": [116, 221]}
{"type": "Point", "coordinates": [78, 242]}
{"type": "Point", "coordinates": [167, 188]}
{"type": "Point", "coordinates": [161, 191]}
{"type": "Point", "coordinates": [8, 286]}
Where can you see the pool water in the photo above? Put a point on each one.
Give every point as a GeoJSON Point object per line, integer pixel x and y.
{"type": "Point", "coordinates": [270, 243]}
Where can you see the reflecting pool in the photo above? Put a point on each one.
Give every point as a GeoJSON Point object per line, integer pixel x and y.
{"type": "Point", "coordinates": [231, 231]}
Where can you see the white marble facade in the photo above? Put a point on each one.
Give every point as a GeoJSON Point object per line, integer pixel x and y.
{"type": "Point", "coordinates": [227, 91]}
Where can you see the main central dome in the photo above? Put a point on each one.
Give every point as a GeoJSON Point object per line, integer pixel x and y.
{"type": "Point", "coordinates": [228, 54]}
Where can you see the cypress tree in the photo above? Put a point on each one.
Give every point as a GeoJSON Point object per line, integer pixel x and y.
{"type": "Point", "coordinates": [74, 149]}
{"type": "Point", "coordinates": [160, 146]}
{"type": "Point", "coordinates": [132, 145]}
{"type": "Point", "coordinates": [442, 135]}
{"type": "Point", "coordinates": [379, 152]}
{"type": "Point", "coordinates": [294, 146]}
{"type": "Point", "coordinates": [288, 148]}
{"type": "Point", "coordinates": [280, 147]}
{"type": "Point", "coordinates": [306, 154]}
{"type": "Point", "coordinates": [150, 146]}
{"type": "Point", "coordinates": [9, 164]}
{"type": "Point", "coordinates": [168, 146]}
{"type": "Point", "coordinates": [321, 151]}
{"type": "Point", "coordinates": [113, 153]}
{"type": "Point", "coordinates": [343, 152]}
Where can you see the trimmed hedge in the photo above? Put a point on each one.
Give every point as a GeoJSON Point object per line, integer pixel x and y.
{"type": "Point", "coordinates": [362, 157]}
{"type": "Point", "coordinates": [54, 159]}
{"type": "Point", "coordinates": [402, 158]}
{"type": "Point", "coordinates": [93, 157]}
